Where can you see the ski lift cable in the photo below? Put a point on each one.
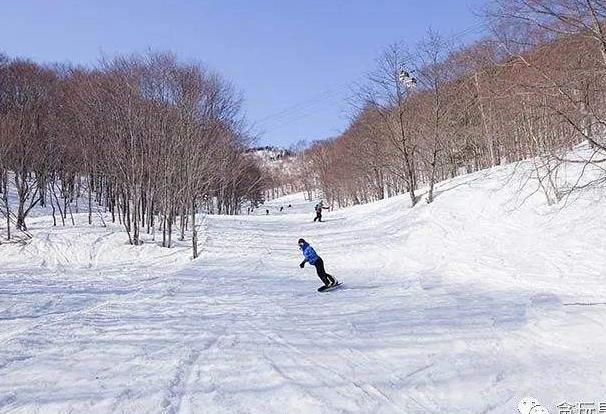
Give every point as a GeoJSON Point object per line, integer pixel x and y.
{"type": "Point", "coordinates": [293, 117]}
{"type": "Point", "coordinates": [303, 106]}
{"type": "Point", "coordinates": [300, 109]}
{"type": "Point", "coordinates": [301, 112]}
{"type": "Point", "coordinates": [476, 28]}
{"type": "Point", "coordinates": [326, 94]}
{"type": "Point", "coordinates": [294, 107]}
{"type": "Point", "coordinates": [405, 75]}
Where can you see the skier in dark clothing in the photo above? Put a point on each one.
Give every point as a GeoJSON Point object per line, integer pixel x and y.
{"type": "Point", "coordinates": [312, 258]}
{"type": "Point", "coordinates": [319, 207]}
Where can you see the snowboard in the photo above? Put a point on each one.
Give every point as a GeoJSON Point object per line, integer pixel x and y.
{"type": "Point", "coordinates": [326, 289]}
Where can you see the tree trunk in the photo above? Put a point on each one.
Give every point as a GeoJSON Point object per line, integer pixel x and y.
{"type": "Point", "coordinates": [194, 237]}
{"type": "Point", "coordinates": [8, 210]}
{"type": "Point", "coordinates": [90, 199]}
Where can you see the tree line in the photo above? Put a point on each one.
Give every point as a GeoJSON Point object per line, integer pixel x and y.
{"type": "Point", "coordinates": [533, 87]}
{"type": "Point", "coordinates": [145, 138]}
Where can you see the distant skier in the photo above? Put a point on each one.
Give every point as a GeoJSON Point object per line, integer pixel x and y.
{"type": "Point", "coordinates": [312, 258]}
{"type": "Point", "coordinates": [319, 207]}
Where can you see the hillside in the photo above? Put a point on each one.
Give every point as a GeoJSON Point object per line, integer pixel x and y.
{"type": "Point", "coordinates": [281, 169]}
{"type": "Point", "coordinates": [273, 159]}
{"type": "Point", "coordinates": [465, 305]}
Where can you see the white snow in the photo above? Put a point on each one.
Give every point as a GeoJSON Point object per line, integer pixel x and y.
{"type": "Point", "coordinates": [466, 305]}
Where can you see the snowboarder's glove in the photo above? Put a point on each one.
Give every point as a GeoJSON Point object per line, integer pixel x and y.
{"type": "Point", "coordinates": [302, 265]}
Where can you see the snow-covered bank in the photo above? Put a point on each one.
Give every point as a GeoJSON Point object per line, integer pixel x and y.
{"type": "Point", "coordinates": [466, 305]}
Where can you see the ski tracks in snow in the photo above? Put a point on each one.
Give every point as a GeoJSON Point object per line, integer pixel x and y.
{"type": "Point", "coordinates": [242, 329]}
{"type": "Point", "coordinates": [173, 402]}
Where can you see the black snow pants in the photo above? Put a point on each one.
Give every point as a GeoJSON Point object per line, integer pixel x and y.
{"type": "Point", "coordinates": [324, 277]}
{"type": "Point", "coordinates": [318, 216]}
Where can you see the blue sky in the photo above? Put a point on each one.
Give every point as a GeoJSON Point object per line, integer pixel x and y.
{"type": "Point", "coordinates": [294, 61]}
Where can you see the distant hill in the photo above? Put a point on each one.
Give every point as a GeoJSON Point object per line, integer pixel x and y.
{"type": "Point", "coordinates": [280, 167]}
{"type": "Point", "coordinates": [269, 153]}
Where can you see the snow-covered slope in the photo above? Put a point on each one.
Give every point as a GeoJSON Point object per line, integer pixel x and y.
{"type": "Point", "coordinates": [465, 305]}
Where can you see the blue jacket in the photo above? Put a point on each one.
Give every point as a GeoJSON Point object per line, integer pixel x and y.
{"type": "Point", "coordinates": [310, 254]}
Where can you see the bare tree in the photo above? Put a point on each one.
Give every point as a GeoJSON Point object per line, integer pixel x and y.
{"type": "Point", "coordinates": [391, 99]}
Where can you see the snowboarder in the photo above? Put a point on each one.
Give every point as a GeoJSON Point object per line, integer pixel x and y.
{"type": "Point", "coordinates": [319, 207]}
{"type": "Point", "coordinates": [312, 258]}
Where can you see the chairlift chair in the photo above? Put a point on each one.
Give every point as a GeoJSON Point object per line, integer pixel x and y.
{"type": "Point", "coordinates": [407, 79]}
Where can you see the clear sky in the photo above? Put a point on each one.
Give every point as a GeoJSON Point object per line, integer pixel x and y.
{"type": "Point", "coordinates": [294, 60]}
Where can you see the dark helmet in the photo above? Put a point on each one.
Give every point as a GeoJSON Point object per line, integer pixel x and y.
{"type": "Point", "coordinates": [301, 241]}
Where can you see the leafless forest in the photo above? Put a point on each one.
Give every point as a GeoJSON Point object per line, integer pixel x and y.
{"type": "Point", "coordinates": [146, 138]}
{"type": "Point", "coordinates": [534, 87]}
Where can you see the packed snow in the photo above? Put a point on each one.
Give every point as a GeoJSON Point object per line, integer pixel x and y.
{"type": "Point", "coordinates": [465, 305]}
